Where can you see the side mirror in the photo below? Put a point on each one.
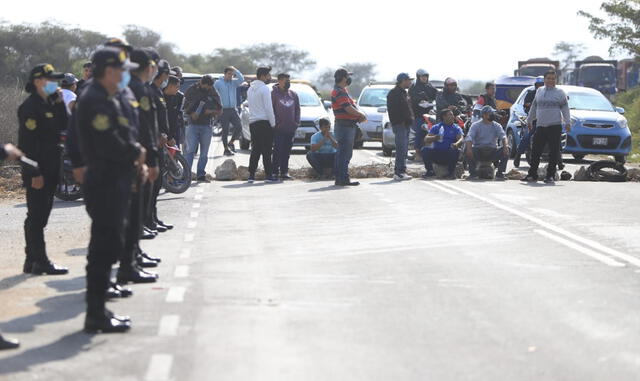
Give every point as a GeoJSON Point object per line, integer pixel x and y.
{"type": "Point", "coordinates": [382, 110]}
{"type": "Point", "coordinates": [327, 105]}
{"type": "Point", "coordinates": [620, 110]}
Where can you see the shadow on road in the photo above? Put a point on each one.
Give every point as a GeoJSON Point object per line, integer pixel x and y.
{"type": "Point", "coordinates": [13, 281]}
{"type": "Point", "coordinates": [64, 348]}
{"type": "Point", "coordinates": [387, 182]}
{"type": "Point", "coordinates": [327, 188]}
{"type": "Point", "coordinates": [68, 285]}
{"type": "Point", "coordinates": [81, 251]}
{"type": "Point", "coordinates": [54, 309]}
{"type": "Point", "coordinates": [57, 204]}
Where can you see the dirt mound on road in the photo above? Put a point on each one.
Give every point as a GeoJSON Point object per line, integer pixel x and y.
{"type": "Point", "coordinates": [10, 182]}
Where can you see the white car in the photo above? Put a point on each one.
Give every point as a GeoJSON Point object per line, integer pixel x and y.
{"type": "Point", "coordinates": [312, 109]}
{"type": "Point", "coordinates": [373, 102]}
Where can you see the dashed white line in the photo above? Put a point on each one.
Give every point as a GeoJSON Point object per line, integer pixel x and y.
{"type": "Point", "coordinates": [176, 295]}
{"type": "Point", "coordinates": [445, 190]}
{"type": "Point", "coordinates": [200, 190]}
{"type": "Point", "coordinates": [195, 214]}
{"type": "Point", "coordinates": [159, 367]}
{"type": "Point", "coordinates": [192, 224]}
{"type": "Point", "coordinates": [181, 271]}
{"type": "Point", "coordinates": [198, 197]}
{"type": "Point", "coordinates": [196, 205]}
{"type": "Point", "coordinates": [169, 325]}
{"type": "Point", "coordinates": [189, 237]}
{"type": "Point", "coordinates": [593, 254]}
{"type": "Point", "coordinates": [185, 253]}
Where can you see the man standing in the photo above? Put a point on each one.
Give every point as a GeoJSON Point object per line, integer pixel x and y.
{"type": "Point", "coordinates": [401, 118]}
{"type": "Point", "coordinates": [261, 123]}
{"type": "Point", "coordinates": [525, 142]}
{"type": "Point", "coordinates": [42, 118]}
{"type": "Point", "coordinates": [442, 145]}
{"type": "Point", "coordinates": [482, 143]}
{"type": "Point", "coordinates": [347, 117]}
{"type": "Point", "coordinates": [174, 109]}
{"type": "Point", "coordinates": [227, 88]}
{"type": "Point", "coordinates": [179, 100]}
{"type": "Point", "coordinates": [550, 111]}
{"type": "Point", "coordinates": [286, 107]}
{"type": "Point", "coordinates": [201, 104]}
{"type": "Point", "coordinates": [87, 70]}
{"type": "Point", "coordinates": [112, 157]}
{"type": "Point", "coordinates": [322, 154]}
{"type": "Point", "coordinates": [489, 97]}
{"type": "Point", "coordinates": [69, 87]}
{"type": "Point", "coordinates": [421, 93]}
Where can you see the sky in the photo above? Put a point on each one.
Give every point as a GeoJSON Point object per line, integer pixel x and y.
{"type": "Point", "coordinates": [465, 39]}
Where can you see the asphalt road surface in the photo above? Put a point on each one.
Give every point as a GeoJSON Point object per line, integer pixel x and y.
{"type": "Point", "coordinates": [421, 280]}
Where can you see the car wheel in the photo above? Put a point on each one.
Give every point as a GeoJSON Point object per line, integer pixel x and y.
{"type": "Point", "coordinates": [511, 140]}
{"type": "Point", "coordinates": [387, 151]}
{"type": "Point", "coordinates": [578, 156]}
{"type": "Point", "coordinates": [244, 143]}
{"type": "Point", "coordinates": [620, 159]}
{"type": "Point", "coordinates": [358, 144]}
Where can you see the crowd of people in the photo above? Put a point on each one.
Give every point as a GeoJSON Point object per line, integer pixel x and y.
{"type": "Point", "coordinates": [128, 108]}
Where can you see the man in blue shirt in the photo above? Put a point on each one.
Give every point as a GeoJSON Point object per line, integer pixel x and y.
{"type": "Point", "coordinates": [227, 88]}
{"type": "Point", "coordinates": [322, 154]}
{"type": "Point", "coordinates": [442, 145]}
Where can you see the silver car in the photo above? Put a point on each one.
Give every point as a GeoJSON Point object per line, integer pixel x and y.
{"type": "Point", "coordinates": [373, 102]}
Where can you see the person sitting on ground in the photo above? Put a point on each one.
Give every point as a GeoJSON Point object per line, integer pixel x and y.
{"type": "Point", "coordinates": [482, 143]}
{"type": "Point", "coordinates": [322, 154]}
{"type": "Point", "coordinates": [442, 145]}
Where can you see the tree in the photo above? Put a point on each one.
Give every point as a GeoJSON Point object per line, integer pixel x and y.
{"type": "Point", "coordinates": [363, 74]}
{"type": "Point", "coordinates": [567, 53]}
{"type": "Point", "coordinates": [281, 57]}
{"type": "Point", "coordinates": [622, 26]}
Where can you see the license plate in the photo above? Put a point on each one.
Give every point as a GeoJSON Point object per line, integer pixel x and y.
{"type": "Point", "coordinates": [600, 141]}
{"type": "Point", "coordinates": [300, 134]}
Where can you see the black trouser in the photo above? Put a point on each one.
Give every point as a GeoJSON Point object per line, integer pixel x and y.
{"type": "Point", "coordinates": [107, 202]}
{"type": "Point", "coordinates": [134, 229]}
{"type": "Point", "coordinates": [39, 205]}
{"type": "Point", "coordinates": [151, 213]}
{"type": "Point", "coordinates": [261, 145]}
{"type": "Point", "coordinates": [550, 136]}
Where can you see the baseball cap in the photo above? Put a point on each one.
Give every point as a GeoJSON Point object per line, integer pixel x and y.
{"type": "Point", "coordinates": [119, 43]}
{"type": "Point", "coordinates": [164, 67]}
{"type": "Point", "coordinates": [342, 73]}
{"type": "Point", "coordinates": [488, 110]}
{"type": "Point", "coordinates": [141, 57]}
{"type": "Point", "coordinates": [112, 57]}
{"type": "Point", "coordinates": [403, 76]}
{"type": "Point", "coordinates": [44, 71]}
{"type": "Point", "coordinates": [69, 79]}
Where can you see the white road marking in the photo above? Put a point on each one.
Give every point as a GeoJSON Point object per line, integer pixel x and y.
{"type": "Point", "coordinates": [195, 214]}
{"type": "Point", "coordinates": [176, 295]}
{"type": "Point", "coordinates": [198, 197]}
{"type": "Point", "coordinates": [376, 157]}
{"type": "Point", "coordinates": [185, 253]}
{"type": "Point", "coordinates": [439, 188]}
{"type": "Point", "coordinates": [189, 237]}
{"type": "Point", "coordinates": [196, 205]}
{"type": "Point", "coordinates": [169, 325]}
{"type": "Point", "coordinates": [181, 271]}
{"type": "Point", "coordinates": [556, 229]}
{"type": "Point", "coordinates": [200, 190]}
{"type": "Point", "coordinates": [159, 367]}
{"type": "Point", "coordinates": [192, 224]}
{"type": "Point", "coordinates": [593, 254]}
{"type": "Point", "coordinates": [387, 200]}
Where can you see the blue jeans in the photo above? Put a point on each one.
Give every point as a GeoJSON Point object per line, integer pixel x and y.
{"type": "Point", "coordinates": [525, 142]}
{"type": "Point", "coordinates": [419, 134]}
{"type": "Point", "coordinates": [488, 154]}
{"type": "Point", "coordinates": [282, 144]}
{"type": "Point", "coordinates": [402, 146]}
{"type": "Point", "coordinates": [345, 134]}
{"type": "Point", "coordinates": [319, 161]}
{"type": "Point", "coordinates": [448, 157]}
{"type": "Point", "coordinates": [198, 134]}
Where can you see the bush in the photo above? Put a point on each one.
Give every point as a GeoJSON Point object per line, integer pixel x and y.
{"type": "Point", "coordinates": [630, 101]}
{"type": "Point", "coordinates": [10, 98]}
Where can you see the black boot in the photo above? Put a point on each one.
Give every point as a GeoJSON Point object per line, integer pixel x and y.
{"type": "Point", "coordinates": [145, 263]}
{"type": "Point", "coordinates": [8, 343]}
{"type": "Point", "coordinates": [105, 323]}
{"type": "Point", "coordinates": [134, 275]}
{"type": "Point", "coordinates": [150, 258]}
{"type": "Point", "coordinates": [27, 267]}
{"type": "Point", "coordinates": [166, 225]}
{"type": "Point", "coordinates": [48, 268]}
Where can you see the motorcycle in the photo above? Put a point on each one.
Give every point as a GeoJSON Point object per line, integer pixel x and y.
{"type": "Point", "coordinates": [68, 189]}
{"type": "Point", "coordinates": [176, 175]}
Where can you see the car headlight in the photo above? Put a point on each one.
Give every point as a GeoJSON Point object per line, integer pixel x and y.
{"type": "Point", "coordinates": [623, 123]}
{"type": "Point", "coordinates": [573, 121]}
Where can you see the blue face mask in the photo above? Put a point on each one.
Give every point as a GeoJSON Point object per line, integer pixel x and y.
{"type": "Point", "coordinates": [164, 84]}
{"type": "Point", "coordinates": [50, 87]}
{"type": "Point", "coordinates": [124, 82]}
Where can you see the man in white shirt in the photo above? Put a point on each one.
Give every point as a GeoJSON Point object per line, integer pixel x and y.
{"type": "Point", "coordinates": [262, 120]}
{"type": "Point", "coordinates": [69, 85]}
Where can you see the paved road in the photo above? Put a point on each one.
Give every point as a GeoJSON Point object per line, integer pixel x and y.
{"type": "Point", "coordinates": [423, 280]}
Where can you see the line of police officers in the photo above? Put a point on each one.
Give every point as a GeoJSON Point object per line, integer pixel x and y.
{"type": "Point", "coordinates": [116, 138]}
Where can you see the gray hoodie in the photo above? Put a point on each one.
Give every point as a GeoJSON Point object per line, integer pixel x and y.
{"type": "Point", "coordinates": [550, 107]}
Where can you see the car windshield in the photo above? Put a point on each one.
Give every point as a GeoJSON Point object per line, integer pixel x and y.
{"type": "Point", "coordinates": [374, 98]}
{"type": "Point", "coordinates": [306, 95]}
{"type": "Point", "coordinates": [534, 71]}
{"type": "Point", "coordinates": [596, 75]}
{"type": "Point", "coordinates": [589, 102]}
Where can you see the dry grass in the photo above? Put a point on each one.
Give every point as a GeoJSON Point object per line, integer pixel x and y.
{"type": "Point", "coordinates": [10, 98]}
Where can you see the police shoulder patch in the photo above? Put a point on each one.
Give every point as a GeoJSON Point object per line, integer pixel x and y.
{"type": "Point", "coordinates": [123, 121]}
{"type": "Point", "coordinates": [49, 115]}
{"type": "Point", "coordinates": [101, 122]}
{"type": "Point", "coordinates": [134, 103]}
{"type": "Point", "coordinates": [31, 124]}
{"type": "Point", "coordinates": [145, 104]}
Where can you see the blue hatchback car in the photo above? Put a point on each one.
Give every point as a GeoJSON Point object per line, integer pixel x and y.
{"type": "Point", "coordinates": [598, 128]}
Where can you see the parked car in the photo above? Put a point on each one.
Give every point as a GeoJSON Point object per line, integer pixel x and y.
{"type": "Point", "coordinates": [597, 126]}
{"type": "Point", "coordinates": [312, 110]}
{"type": "Point", "coordinates": [373, 102]}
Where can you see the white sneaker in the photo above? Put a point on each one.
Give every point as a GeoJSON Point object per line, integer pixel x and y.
{"type": "Point", "coordinates": [397, 177]}
{"type": "Point", "coordinates": [405, 177]}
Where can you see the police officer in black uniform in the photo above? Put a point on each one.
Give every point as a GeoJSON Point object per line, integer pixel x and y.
{"type": "Point", "coordinates": [112, 157]}
{"type": "Point", "coordinates": [42, 119]}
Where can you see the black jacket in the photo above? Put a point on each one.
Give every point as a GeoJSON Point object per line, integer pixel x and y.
{"type": "Point", "coordinates": [148, 135]}
{"type": "Point", "coordinates": [174, 113]}
{"type": "Point", "coordinates": [446, 99]}
{"type": "Point", "coordinates": [161, 109]}
{"type": "Point", "coordinates": [192, 98]}
{"type": "Point", "coordinates": [398, 107]}
{"type": "Point", "coordinates": [421, 92]}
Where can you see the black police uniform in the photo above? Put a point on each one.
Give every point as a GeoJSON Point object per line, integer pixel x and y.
{"type": "Point", "coordinates": [151, 219]}
{"type": "Point", "coordinates": [110, 151]}
{"type": "Point", "coordinates": [41, 123]}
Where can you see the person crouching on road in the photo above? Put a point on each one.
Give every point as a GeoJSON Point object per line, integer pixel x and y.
{"type": "Point", "coordinates": [286, 107]}
{"type": "Point", "coordinates": [401, 118]}
{"type": "Point", "coordinates": [261, 123]}
{"type": "Point", "coordinates": [482, 143]}
{"type": "Point", "coordinates": [322, 154]}
{"type": "Point", "coordinates": [442, 145]}
{"type": "Point", "coordinates": [42, 119]}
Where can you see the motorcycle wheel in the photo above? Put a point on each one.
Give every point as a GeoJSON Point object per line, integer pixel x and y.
{"type": "Point", "coordinates": [177, 179]}
{"type": "Point", "coordinates": [512, 145]}
{"type": "Point", "coordinates": [62, 190]}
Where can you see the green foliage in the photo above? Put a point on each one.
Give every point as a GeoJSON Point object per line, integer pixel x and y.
{"type": "Point", "coordinates": [621, 25]}
{"type": "Point", "coordinates": [630, 101]}
{"type": "Point", "coordinates": [567, 53]}
{"type": "Point", "coordinates": [363, 74]}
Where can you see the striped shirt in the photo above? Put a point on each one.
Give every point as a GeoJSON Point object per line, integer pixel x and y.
{"type": "Point", "coordinates": [340, 100]}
